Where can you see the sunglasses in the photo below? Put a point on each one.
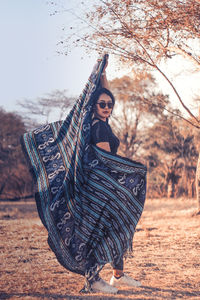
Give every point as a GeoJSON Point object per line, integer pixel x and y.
{"type": "Point", "coordinates": [104, 104]}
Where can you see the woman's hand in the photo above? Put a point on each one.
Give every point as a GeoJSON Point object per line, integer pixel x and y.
{"type": "Point", "coordinates": [104, 69]}
{"type": "Point", "coordinates": [104, 146]}
{"type": "Point", "coordinates": [104, 81]}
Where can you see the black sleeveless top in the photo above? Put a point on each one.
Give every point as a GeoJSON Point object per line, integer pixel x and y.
{"type": "Point", "coordinates": [102, 132]}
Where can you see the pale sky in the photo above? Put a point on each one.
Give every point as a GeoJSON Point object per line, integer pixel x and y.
{"type": "Point", "coordinates": [30, 66]}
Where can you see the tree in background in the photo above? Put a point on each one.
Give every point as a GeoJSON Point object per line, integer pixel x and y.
{"type": "Point", "coordinates": [143, 32]}
{"type": "Point", "coordinates": [148, 128]}
{"type": "Point", "coordinates": [15, 180]}
{"type": "Point", "coordinates": [171, 153]}
{"type": "Point", "coordinates": [136, 109]}
{"type": "Point", "coordinates": [39, 111]}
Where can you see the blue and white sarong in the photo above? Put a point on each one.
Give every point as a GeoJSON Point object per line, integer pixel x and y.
{"type": "Point", "coordinates": [89, 200]}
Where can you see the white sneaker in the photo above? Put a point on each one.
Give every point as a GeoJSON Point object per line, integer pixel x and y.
{"type": "Point", "coordinates": [103, 287]}
{"type": "Point", "coordinates": [125, 280]}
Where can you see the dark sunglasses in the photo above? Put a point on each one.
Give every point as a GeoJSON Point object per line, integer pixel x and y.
{"type": "Point", "coordinates": [104, 104]}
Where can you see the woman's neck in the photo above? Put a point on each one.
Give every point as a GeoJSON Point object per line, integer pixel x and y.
{"type": "Point", "coordinates": [102, 119]}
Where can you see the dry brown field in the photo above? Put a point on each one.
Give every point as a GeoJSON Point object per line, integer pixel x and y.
{"type": "Point", "coordinates": [166, 256]}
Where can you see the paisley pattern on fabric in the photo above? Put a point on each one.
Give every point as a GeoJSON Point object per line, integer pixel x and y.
{"type": "Point", "coordinates": [89, 200]}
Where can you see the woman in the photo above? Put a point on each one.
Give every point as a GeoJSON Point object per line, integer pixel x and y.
{"type": "Point", "coordinates": [104, 138]}
{"type": "Point", "coordinates": [88, 198]}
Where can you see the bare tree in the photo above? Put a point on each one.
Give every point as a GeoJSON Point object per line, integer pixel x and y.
{"type": "Point", "coordinates": [143, 32]}
{"type": "Point", "coordinates": [41, 109]}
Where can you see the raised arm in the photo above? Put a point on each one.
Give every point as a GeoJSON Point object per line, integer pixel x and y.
{"type": "Point", "coordinates": [104, 81]}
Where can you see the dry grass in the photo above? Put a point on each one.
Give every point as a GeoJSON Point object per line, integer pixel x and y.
{"type": "Point", "coordinates": [165, 258]}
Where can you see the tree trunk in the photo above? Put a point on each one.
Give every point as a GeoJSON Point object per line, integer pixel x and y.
{"type": "Point", "coordinates": [2, 188]}
{"type": "Point", "coordinates": [198, 184]}
{"type": "Point", "coordinates": [170, 189]}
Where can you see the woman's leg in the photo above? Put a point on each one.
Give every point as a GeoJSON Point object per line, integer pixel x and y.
{"type": "Point", "coordinates": [93, 282]}
{"type": "Point", "coordinates": [118, 267]}
{"type": "Point", "coordinates": [119, 277]}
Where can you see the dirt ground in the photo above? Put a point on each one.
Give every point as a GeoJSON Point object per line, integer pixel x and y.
{"type": "Point", "coordinates": [166, 257]}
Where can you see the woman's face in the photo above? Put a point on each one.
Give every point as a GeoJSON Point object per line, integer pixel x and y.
{"type": "Point", "coordinates": [103, 107]}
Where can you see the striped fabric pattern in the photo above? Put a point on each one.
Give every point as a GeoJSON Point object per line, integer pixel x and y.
{"type": "Point", "coordinates": [89, 200]}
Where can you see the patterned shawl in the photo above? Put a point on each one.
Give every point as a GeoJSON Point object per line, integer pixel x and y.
{"type": "Point", "coordinates": [89, 200]}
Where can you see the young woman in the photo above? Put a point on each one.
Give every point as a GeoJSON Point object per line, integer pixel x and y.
{"type": "Point", "coordinates": [104, 138]}
{"type": "Point", "coordinates": [89, 198]}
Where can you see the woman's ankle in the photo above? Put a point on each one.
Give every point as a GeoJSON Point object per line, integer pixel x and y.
{"type": "Point", "coordinates": [118, 273]}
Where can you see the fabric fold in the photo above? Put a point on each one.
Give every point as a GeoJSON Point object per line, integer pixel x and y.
{"type": "Point", "coordinates": [89, 200]}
